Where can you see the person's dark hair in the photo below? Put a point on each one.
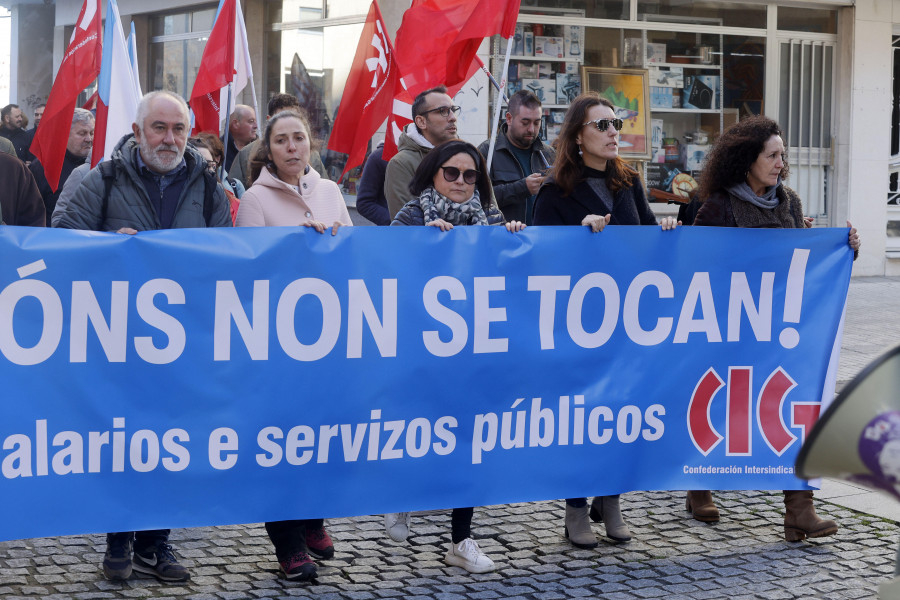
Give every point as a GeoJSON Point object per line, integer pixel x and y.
{"type": "Point", "coordinates": [4, 112]}
{"type": "Point", "coordinates": [418, 105]}
{"type": "Point", "coordinates": [260, 158]}
{"type": "Point", "coordinates": [734, 152]}
{"type": "Point", "coordinates": [522, 98]}
{"type": "Point", "coordinates": [428, 168]}
{"type": "Point", "coordinates": [280, 102]}
{"type": "Point", "coordinates": [211, 142]}
{"type": "Point", "coordinates": [567, 168]}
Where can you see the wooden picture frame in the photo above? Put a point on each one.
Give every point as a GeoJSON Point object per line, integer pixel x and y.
{"type": "Point", "coordinates": [629, 91]}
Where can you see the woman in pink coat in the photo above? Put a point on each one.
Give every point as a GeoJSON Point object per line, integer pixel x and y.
{"type": "Point", "coordinates": [287, 192]}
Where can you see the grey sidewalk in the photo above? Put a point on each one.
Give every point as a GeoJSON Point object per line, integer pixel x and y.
{"type": "Point", "coordinates": [672, 556]}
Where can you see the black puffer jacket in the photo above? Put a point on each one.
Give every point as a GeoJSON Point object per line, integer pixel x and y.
{"type": "Point", "coordinates": [129, 204]}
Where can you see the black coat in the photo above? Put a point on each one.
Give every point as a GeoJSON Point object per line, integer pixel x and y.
{"type": "Point", "coordinates": [630, 205]}
{"type": "Point", "coordinates": [70, 162]}
{"type": "Point", "coordinates": [507, 176]}
{"type": "Point", "coordinates": [370, 200]}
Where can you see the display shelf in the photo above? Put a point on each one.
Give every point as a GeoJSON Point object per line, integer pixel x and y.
{"type": "Point", "coordinates": [555, 77]}
{"type": "Point", "coordinates": [687, 99]}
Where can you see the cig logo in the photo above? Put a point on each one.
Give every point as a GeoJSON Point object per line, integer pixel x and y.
{"type": "Point", "coordinates": [740, 413]}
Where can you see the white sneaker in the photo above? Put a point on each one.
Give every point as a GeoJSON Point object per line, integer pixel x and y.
{"type": "Point", "coordinates": [397, 526]}
{"type": "Point", "coordinates": [469, 556]}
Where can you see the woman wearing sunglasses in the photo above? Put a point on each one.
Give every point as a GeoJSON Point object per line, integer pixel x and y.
{"type": "Point", "coordinates": [591, 185]}
{"type": "Point", "coordinates": [448, 188]}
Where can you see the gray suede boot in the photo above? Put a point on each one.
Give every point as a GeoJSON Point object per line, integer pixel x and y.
{"type": "Point", "coordinates": [578, 528]}
{"type": "Point", "coordinates": [606, 509]}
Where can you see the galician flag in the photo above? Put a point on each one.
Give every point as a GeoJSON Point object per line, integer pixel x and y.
{"type": "Point", "coordinates": [117, 96]}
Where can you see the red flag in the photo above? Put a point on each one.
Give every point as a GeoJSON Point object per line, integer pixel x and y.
{"type": "Point", "coordinates": [438, 39]}
{"type": "Point", "coordinates": [80, 66]}
{"type": "Point", "coordinates": [91, 103]}
{"type": "Point", "coordinates": [400, 117]}
{"type": "Point", "coordinates": [368, 93]}
{"type": "Point", "coordinates": [216, 70]}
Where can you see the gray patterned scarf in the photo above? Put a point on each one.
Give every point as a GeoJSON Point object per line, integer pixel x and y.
{"type": "Point", "coordinates": [437, 206]}
{"type": "Point", "coordinates": [742, 191]}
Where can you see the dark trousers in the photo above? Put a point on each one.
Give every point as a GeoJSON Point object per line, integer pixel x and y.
{"type": "Point", "coordinates": [289, 537]}
{"type": "Point", "coordinates": [143, 539]}
{"type": "Point", "coordinates": [461, 524]}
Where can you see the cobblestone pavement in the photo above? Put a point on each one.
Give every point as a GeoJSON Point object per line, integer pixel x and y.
{"type": "Point", "coordinates": [672, 556]}
{"type": "Point", "coordinates": [872, 322]}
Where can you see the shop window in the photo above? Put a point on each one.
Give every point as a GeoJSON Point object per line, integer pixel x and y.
{"type": "Point", "coordinates": [176, 48]}
{"type": "Point", "coordinates": [700, 84]}
{"type": "Point", "coordinates": [731, 14]}
{"type": "Point", "coordinates": [311, 62]}
{"type": "Point", "coordinates": [811, 20]}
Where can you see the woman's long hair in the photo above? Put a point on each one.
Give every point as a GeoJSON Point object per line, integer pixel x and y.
{"type": "Point", "coordinates": [428, 168]}
{"type": "Point", "coordinates": [735, 152]}
{"type": "Point", "coordinates": [261, 158]}
{"type": "Point", "coordinates": [568, 166]}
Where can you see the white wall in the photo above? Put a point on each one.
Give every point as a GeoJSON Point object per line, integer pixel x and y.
{"type": "Point", "coordinates": [866, 144]}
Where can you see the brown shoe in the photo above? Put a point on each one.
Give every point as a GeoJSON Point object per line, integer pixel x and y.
{"type": "Point", "coordinates": [701, 506]}
{"type": "Point", "coordinates": [800, 518]}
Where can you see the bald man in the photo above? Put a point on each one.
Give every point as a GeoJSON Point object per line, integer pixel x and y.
{"type": "Point", "coordinates": [241, 131]}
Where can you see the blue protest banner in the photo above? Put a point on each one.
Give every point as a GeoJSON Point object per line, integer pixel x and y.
{"type": "Point", "coordinates": [198, 377]}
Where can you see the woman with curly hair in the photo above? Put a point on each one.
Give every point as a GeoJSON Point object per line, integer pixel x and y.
{"type": "Point", "coordinates": [742, 186]}
{"type": "Point", "coordinates": [591, 185]}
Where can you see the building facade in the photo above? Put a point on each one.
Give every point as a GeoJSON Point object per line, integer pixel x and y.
{"type": "Point", "coordinates": [824, 69]}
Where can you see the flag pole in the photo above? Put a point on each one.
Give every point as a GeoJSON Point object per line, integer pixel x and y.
{"type": "Point", "coordinates": [491, 77]}
{"type": "Point", "coordinates": [500, 96]}
{"type": "Point", "coordinates": [227, 121]}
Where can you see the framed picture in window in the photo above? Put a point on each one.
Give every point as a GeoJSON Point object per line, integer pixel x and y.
{"type": "Point", "coordinates": [629, 91]}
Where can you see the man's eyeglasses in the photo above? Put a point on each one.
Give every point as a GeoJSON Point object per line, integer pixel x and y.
{"type": "Point", "coordinates": [603, 124]}
{"type": "Point", "coordinates": [444, 111]}
{"type": "Point", "coordinates": [451, 174]}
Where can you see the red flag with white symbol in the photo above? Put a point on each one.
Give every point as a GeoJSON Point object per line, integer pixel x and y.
{"type": "Point", "coordinates": [369, 91]}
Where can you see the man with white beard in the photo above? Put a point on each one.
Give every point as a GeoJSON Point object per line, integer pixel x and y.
{"type": "Point", "coordinates": [153, 180]}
